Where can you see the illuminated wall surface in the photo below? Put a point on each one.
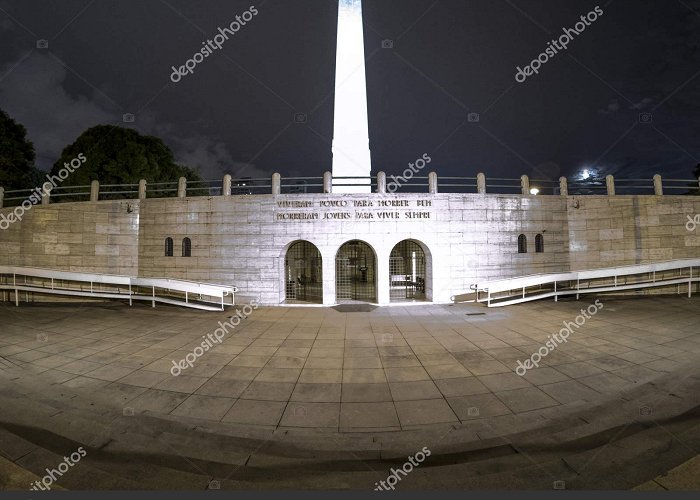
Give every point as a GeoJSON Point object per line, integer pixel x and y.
{"type": "Point", "coordinates": [351, 156]}
{"type": "Point", "coordinates": [244, 240]}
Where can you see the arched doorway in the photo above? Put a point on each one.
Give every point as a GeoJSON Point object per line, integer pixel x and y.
{"type": "Point", "coordinates": [303, 273]}
{"type": "Point", "coordinates": [356, 272]}
{"type": "Point", "coordinates": [407, 272]}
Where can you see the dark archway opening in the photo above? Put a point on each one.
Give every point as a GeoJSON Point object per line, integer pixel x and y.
{"type": "Point", "coordinates": [407, 272]}
{"type": "Point", "coordinates": [356, 272]}
{"type": "Point", "coordinates": [303, 273]}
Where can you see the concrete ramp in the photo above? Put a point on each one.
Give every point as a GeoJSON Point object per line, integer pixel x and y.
{"type": "Point", "coordinates": [29, 281]}
{"type": "Point", "coordinates": [675, 275]}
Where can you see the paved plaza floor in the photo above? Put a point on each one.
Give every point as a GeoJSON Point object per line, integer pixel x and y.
{"type": "Point", "coordinates": [442, 376]}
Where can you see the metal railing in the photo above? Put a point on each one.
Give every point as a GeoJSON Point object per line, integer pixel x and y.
{"type": "Point", "coordinates": [15, 280]}
{"type": "Point", "coordinates": [301, 185]}
{"type": "Point", "coordinates": [676, 273]}
{"type": "Point", "coordinates": [388, 183]}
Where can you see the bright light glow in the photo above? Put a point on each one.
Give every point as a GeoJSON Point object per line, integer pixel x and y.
{"type": "Point", "coordinates": [534, 191]}
{"type": "Point", "coordinates": [414, 267]}
{"type": "Point", "coordinates": [587, 173]}
{"type": "Point", "coordinates": [351, 155]}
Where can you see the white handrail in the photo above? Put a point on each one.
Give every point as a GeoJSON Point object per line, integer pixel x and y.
{"type": "Point", "coordinates": [218, 292]}
{"type": "Point", "coordinates": [520, 284]}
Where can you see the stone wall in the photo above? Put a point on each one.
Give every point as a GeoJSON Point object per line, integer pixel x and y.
{"type": "Point", "coordinates": [606, 231]}
{"type": "Point", "coordinates": [242, 240]}
{"type": "Point", "coordinates": [100, 237]}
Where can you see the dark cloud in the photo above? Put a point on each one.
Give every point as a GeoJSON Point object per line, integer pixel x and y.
{"type": "Point", "coordinates": [34, 93]}
{"type": "Point", "coordinates": [449, 58]}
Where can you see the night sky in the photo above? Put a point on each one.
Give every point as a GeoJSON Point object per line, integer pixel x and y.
{"type": "Point", "coordinates": [236, 113]}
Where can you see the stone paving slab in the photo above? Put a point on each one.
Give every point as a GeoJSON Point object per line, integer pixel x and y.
{"type": "Point", "coordinates": [389, 368]}
{"type": "Point", "coordinates": [685, 477]}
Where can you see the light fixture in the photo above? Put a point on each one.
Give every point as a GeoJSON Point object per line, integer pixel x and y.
{"type": "Point", "coordinates": [534, 191]}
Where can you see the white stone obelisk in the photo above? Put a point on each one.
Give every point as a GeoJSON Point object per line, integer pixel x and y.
{"type": "Point", "coordinates": [351, 156]}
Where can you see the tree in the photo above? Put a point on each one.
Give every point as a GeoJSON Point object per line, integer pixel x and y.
{"type": "Point", "coordinates": [116, 155]}
{"type": "Point", "coordinates": [696, 175]}
{"type": "Point", "coordinates": [17, 156]}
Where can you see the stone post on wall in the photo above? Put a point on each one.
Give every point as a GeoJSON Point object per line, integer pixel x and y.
{"type": "Point", "coordinates": [142, 189]}
{"type": "Point", "coordinates": [381, 183]}
{"type": "Point", "coordinates": [276, 183]}
{"type": "Point", "coordinates": [480, 183]}
{"type": "Point", "coordinates": [2, 196]}
{"type": "Point", "coordinates": [525, 184]}
{"type": "Point", "coordinates": [327, 182]}
{"type": "Point", "coordinates": [563, 186]}
{"type": "Point", "coordinates": [610, 184]}
{"type": "Point", "coordinates": [432, 183]}
{"type": "Point", "coordinates": [45, 195]}
{"type": "Point", "coordinates": [658, 185]}
{"type": "Point", "coordinates": [227, 185]}
{"type": "Point", "coordinates": [182, 187]}
{"type": "Point", "coordinates": [94, 190]}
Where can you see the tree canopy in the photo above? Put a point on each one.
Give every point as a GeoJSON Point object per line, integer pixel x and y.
{"type": "Point", "coordinates": [17, 156]}
{"type": "Point", "coordinates": [117, 155]}
{"type": "Point", "coordinates": [696, 175]}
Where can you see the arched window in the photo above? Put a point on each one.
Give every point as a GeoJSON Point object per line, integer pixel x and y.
{"type": "Point", "coordinates": [539, 243]}
{"type": "Point", "coordinates": [186, 247]}
{"type": "Point", "coordinates": [522, 244]}
{"type": "Point", "coordinates": [168, 247]}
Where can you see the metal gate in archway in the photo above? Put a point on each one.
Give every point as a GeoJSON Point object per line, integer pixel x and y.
{"type": "Point", "coordinates": [303, 273]}
{"type": "Point", "coordinates": [355, 272]}
{"type": "Point", "coordinates": [407, 272]}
